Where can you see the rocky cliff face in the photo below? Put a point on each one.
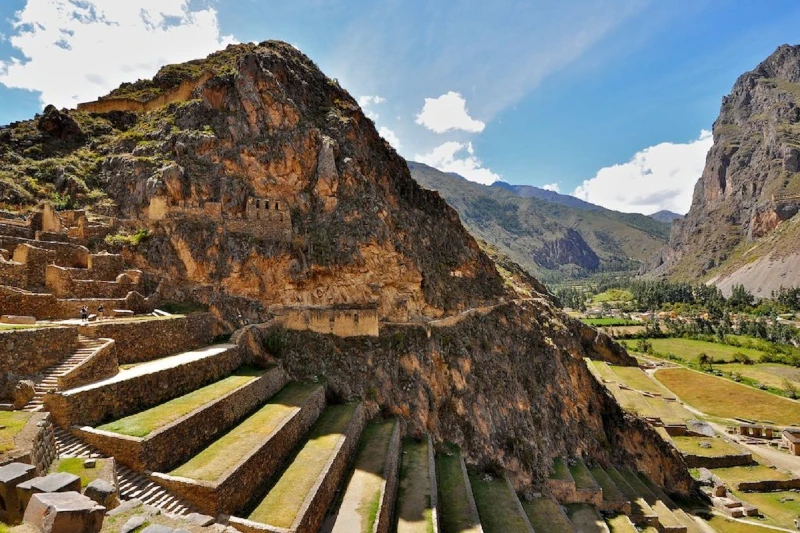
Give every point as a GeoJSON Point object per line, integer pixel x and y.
{"type": "Point", "coordinates": [750, 185]}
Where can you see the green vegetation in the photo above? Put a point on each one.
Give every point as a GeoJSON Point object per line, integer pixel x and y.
{"type": "Point", "coordinates": [690, 350]}
{"type": "Point", "coordinates": [456, 513]}
{"type": "Point", "coordinates": [737, 474]}
{"type": "Point", "coordinates": [145, 422]}
{"type": "Point", "coordinates": [74, 465]}
{"type": "Point", "coordinates": [621, 524]}
{"type": "Point", "coordinates": [128, 239]}
{"type": "Point", "coordinates": [368, 473]}
{"type": "Point", "coordinates": [279, 508]}
{"type": "Point", "coordinates": [610, 322]}
{"type": "Point", "coordinates": [545, 514]}
{"type": "Point", "coordinates": [771, 375]}
{"type": "Point", "coordinates": [560, 470]}
{"type": "Point", "coordinates": [585, 518]}
{"type": "Point", "coordinates": [720, 523]}
{"type": "Point", "coordinates": [497, 504]}
{"type": "Point", "coordinates": [414, 512]}
{"type": "Point", "coordinates": [225, 452]}
{"type": "Point", "coordinates": [635, 378]}
{"type": "Point", "coordinates": [781, 508]}
{"type": "Point", "coordinates": [611, 492]}
{"type": "Point", "coordinates": [13, 422]}
{"type": "Point", "coordinates": [711, 446]}
{"type": "Point", "coordinates": [720, 397]}
{"type": "Point", "coordinates": [583, 478]}
{"type": "Point", "coordinates": [612, 296]}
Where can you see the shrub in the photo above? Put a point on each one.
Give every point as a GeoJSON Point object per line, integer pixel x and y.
{"type": "Point", "coordinates": [128, 239]}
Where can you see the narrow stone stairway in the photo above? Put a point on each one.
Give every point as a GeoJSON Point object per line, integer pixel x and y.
{"type": "Point", "coordinates": [49, 380]}
{"type": "Point", "coordinates": [131, 484]}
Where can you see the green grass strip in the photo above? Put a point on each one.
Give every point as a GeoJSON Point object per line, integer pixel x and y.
{"type": "Point", "coordinates": [560, 470]}
{"type": "Point", "coordinates": [583, 479]}
{"type": "Point", "coordinates": [497, 505]}
{"type": "Point", "coordinates": [144, 423]}
{"type": "Point", "coordinates": [611, 492]}
{"type": "Point", "coordinates": [279, 508]}
{"type": "Point", "coordinates": [13, 421]}
{"type": "Point", "coordinates": [545, 514]}
{"type": "Point", "coordinates": [456, 513]}
{"type": "Point", "coordinates": [227, 451]}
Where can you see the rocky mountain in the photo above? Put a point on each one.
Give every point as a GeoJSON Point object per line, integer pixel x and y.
{"type": "Point", "coordinates": [554, 236]}
{"type": "Point", "coordinates": [665, 216]}
{"type": "Point", "coordinates": [742, 228]}
{"type": "Point", "coordinates": [252, 183]}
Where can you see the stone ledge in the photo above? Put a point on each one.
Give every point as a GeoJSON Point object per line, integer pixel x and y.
{"type": "Point", "coordinates": [101, 364]}
{"type": "Point", "coordinates": [721, 461]}
{"type": "Point", "coordinates": [169, 446]}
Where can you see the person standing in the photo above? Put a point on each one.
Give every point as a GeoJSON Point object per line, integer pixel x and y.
{"type": "Point", "coordinates": [100, 312]}
{"type": "Point", "coordinates": [84, 315]}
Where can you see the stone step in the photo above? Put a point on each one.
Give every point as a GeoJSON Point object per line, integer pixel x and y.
{"type": "Point", "coordinates": [499, 507]}
{"type": "Point", "coordinates": [162, 437]}
{"type": "Point", "coordinates": [143, 386]}
{"type": "Point", "coordinates": [691, 524]}
{"type": "Point", "coordinates": [546, 515]}
{"type": "Point", "coordinates": [457, 510]}
{"type": "Point", "coordinates": [131, 484]}
{"type": "Point", "coordinates": [373, 481]}
{"type": "Point", "coordinates": [613, 498]}
{"type": "Point", "coordinates": [300, 498]}
{"type": "Point", "coordinates": [668, 522]}
{"type": "Point", "coordinates": [641, 512]}
{"type": "Point", "coordinates": [586, 519]}
{"type": "Point", "coordinates": [226, 475]}
{"type": "Point", "coordinates": [417, 500]}
{"type": "Point", "coordinates": [621, 524]}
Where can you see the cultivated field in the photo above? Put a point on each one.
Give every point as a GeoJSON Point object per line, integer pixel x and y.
{"type": "Point", "coordinates": [689, 350]}
{"type": "Point", "coordinates": [723, 398]}
{"type": "Point", "coordinates": [772, 375]}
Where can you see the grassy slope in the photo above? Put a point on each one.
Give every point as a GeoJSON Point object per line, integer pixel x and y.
{"type": "Point", "coordinates": [279, 508]}
{"type": "Point", "coordinates": [496, 505]}
{"type": "Point", "coordinates": [142, 424]}
{"type": "Point", "coordinates": [718, 446]}
{"type": "Point", "coordinates": [226, 451]}
{"type": "Point", "coordinates": [13, 421]}
{"type": "Point", "coordinates": [545, 515]}
{"type": "Point", "coordinates": [719, 397]}
{"type": "Point", "coordinates": [518, 226]}
{"type": "Point", "coordinates": [414, 513]}
{"type": "Point", "coordinates": [456, 514]}
{"type": "Point", "coordinates": [690, 349]}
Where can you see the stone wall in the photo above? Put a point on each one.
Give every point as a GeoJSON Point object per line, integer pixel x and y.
{"type": "Point", "coordinates": [391, 478]}
{"type": "Point", "coordinates": [47, 306]}
{"type": "Point", "coordinates": [171, 445]}
{"type": "Point", "coordinates": [13, 274]}
{"type": "Point", "coordinates": [105, 267]}
{"type": "Point", "coordinates": [238, 487]}
{"type": "Point", "coordinates": [180, 93]}
{"type": "Point", "coordinates": [337, 321]}
{"type": "Point", "coordinates": [722, 461]}
{"type": "Point", "coordinates": [771, 485]}
{"type": "Point", "coordinates": [561, 490]}
{"type": "Point", "coordinates": [29, 351]}
{"type": "Point", "coordinates": [35, 444]}
{"type": "Point", "coordinates": [35, 260]}
{"type": "Point", "coordinates": [135, 340]}
{"type": "Point", "coordinates": [100, 365]}
{"type": "Point", "coordinates": [66, 254]}
{"type": "Point", "coordinates": [122, 396]}
{"type": "Point", "coordinates": [62, 283]}
{"type": "Point", "coordinates": [15, 230]}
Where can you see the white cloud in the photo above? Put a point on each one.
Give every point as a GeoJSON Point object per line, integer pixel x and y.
{"type": "Point", "coordinates": [444, 158]}
{"type": "Point", "coordinates": [659, 177]}
{"type": "Point", "coordinates": [76, 51]}
{"type": "Point", "coordinates": [448, 112]}
{"type": "Point", "coordinates": [366, 102]}
{"type": "Point", "coordinates": [554, 187]}
{"type": "Point", "coordinates": [390, 136]}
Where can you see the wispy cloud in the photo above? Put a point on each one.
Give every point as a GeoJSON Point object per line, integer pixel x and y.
{"type": "Point", "coordinates": [71, 51]}
{"type": "Point", "coordinates": [450, 157]}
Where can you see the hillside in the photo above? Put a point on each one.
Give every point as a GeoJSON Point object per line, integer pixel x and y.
{"type": "Point", "coordinates": [555, 237]}
{"type": "Point", "coordinates": [250, 183]}
{"type": "Point", "coordinates": [741, 228]}
{"type": "Point", "coordinates": [665, 216]}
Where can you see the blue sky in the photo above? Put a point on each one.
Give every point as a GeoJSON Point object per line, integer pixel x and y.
{"type": "Point", "coordinates": [608, 100]}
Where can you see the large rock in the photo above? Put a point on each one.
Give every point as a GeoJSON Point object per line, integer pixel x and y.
{"type": "Point", "coordinates": [24, 391]}
{"type": "Point", "coordinates": [12, 475]}
{"type": "Point", "coordinates": [58, 124]}
{"type": "Point", "coordinates": [59, 482]}
{"type": "Point", "coordinates": [64, 512]}
{"type": "Point", "coordinates": [103, 493]}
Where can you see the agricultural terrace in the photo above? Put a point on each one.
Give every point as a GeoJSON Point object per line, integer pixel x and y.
{"type": "Point", "coordinates": [689, 350]}
{"type": "Point", "coordinates": [723, 398]}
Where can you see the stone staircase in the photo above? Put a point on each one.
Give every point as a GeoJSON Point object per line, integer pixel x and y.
{"type": "Point", "coordinates": [48, 381]}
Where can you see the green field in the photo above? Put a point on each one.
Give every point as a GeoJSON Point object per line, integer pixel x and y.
{"type": "Point", "coordinates": [144, 423]}
{"type": "Point", "coordinates": [456, 513]}
{"type": "Point", "coordinates": [780, 507]}
{"type": "Point", "coordinates": [610, 322]}
{"type": "Point", "coordinates": [691, 445]}
{"type": "Point", "coordinates": [689, 350]}
{"type": "Point", "coordinates": [12, 422]}
{"type": "Point", "coordinates": [726, 525]}
{"type": "Point", "coordinates": [497, 505]}
{"type": "Point", "coordinates": [723, 398]}
{"type": "Point", "coordinates": [771, 375]}
{"type": "Point", "coordinates": [738, 474]}
{"type": "Point", "coordinates": [74, 465]}
{"type": "Point", "coordinates": [282, 503]}
{"type": "Point", "coordinates": [636, 378]}
{"type": "Point", "coordinates": [613, 295]}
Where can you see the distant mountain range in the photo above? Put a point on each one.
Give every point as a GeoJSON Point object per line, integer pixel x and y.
{"type": "Point", "coordinates": [666, 216]}
{"type": "Point", "coordinates": [553, 236]}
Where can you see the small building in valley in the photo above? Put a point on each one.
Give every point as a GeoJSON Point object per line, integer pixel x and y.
{"type": "Point", "coordinates": [791, 440]}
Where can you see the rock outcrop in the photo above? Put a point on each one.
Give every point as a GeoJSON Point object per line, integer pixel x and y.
{"type": "Point", "coordinates": [750, 186]}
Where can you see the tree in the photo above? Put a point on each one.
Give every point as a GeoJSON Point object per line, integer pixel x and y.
{"type": "Point", "coordinates": [705, 361]}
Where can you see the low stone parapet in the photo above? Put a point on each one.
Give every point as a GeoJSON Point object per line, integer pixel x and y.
{"type": "Point", "coordinates": [720, 461]}
{"type": "Point", "coordinates": [235, 489]}
{"type": "Point", "coordinates": [770, 485]}
{"type": "Point", "coordinates": [169, 446]}
{"type": "Point", "coordinates": [48, 306]}
{"type": "Point", "coordinates": [142, 387]}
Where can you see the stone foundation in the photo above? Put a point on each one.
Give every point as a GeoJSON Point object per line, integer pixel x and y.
{"type": "Point", "coordinates": [342, 322]}
{"type": "Point", "coordinates": [238, 487]}
{"type": "Point", "coordinates": [135, 340]}
{"type": "Point", "coordinates": [769, 485]}
{"type": "Point", "coordinates": [171, 445]}
{"type": "Point", "coordinates": [47, 306]}
{"type": "Point", "coordinates": [122, 395]}
{"type": "Point", "coordinates": [66, 254]}
{"type": "Point", "coordinates": [29, 351]}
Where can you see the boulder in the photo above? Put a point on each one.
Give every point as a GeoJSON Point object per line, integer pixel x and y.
{"type": "Point", "coordinates": [133, 523]}
{"type": "Point", "coordinates": [12, 475]}
{"type": "Point", "coordinates": [24, 391]}
{"type": "Point", "coordinates": [64, 512]}
{"type": "Point", "coordinates": [60, 482]}
{"type": "Point", "coordinates": [157, 528]}
{"type": "Point", "coordinates": [58, 124]}
{"type": "Point", "coordinates": [103, 493]}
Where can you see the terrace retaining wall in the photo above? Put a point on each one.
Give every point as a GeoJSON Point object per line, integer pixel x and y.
{"type": "Point", "coordinates": [769, 485]}
{"type": "Point", "coordinates": [94, 405]}
{"type": "Point", "coordinates": [721, 461]}
{"type": "Point", "coordinates": [391, 476]}
{"type": "Point", "coordinates": [135, 339]}
{"type": "Point", "coordinates": [171, 445]}
{"type": "Point", "coordinates": [100, 365]}
{"type": "Point", "coordinates": [66, 254]}
{"type": "Point", "coordinates": [239, 486]}
{"type": "Point", "coordinates": [47, 306]}
{"type": "Point", "coordinates": [561, 489]}
{"type": "Point", "coordinates": [35, 444]}
{"type": "Point", "coordinates": [29, 351]}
